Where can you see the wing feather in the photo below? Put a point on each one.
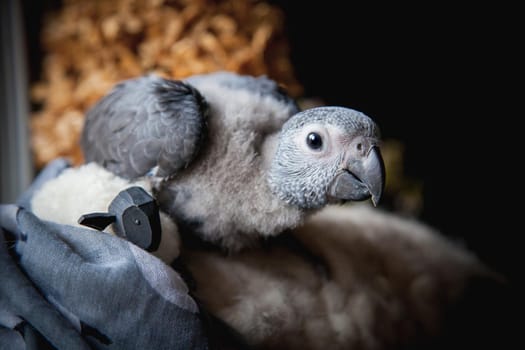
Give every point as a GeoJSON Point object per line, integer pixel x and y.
{"type": "Point", "coordinates": [144, 123]}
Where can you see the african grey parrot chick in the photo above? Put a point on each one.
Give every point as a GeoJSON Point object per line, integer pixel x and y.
{"type": "Point", "coordinates": [237, 158]}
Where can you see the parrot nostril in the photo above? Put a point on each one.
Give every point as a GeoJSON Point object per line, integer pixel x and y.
{"type": "Point", "coordinates": [359, 146]}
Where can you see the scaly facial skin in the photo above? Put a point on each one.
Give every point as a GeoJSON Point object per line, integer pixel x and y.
{"type": "Point", "coordinates": [327, 155]}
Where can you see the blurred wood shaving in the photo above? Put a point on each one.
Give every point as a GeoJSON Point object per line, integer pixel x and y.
{"type": "Point", "coordinates": [91, 45]}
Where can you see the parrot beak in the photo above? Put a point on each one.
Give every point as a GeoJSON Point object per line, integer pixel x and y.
{"type": "Point", "coordinates": [362, 178]}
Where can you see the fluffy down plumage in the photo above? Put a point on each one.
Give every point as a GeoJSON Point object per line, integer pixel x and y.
{"type": "Point", "coordinates": [355, 278]}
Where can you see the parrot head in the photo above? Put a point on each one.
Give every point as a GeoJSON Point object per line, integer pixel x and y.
{"type": "Point", "coordinates": [327, 155]}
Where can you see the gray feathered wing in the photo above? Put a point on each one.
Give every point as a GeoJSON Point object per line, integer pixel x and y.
{"type": "Point", "coordinates": [144, 124]}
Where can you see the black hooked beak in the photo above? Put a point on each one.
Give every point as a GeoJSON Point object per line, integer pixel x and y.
{"type": "Point", "coordinates": [362, 178]}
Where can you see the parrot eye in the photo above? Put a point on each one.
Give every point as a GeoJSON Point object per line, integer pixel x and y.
{"type": "Point", "coordinates": [314, 141]}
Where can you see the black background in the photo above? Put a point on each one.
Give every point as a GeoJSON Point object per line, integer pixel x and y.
{"type": "Point", "coordinates": [442, 79]}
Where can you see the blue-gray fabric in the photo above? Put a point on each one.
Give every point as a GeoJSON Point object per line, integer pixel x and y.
{"type": "Point", "coordinates": [84, 289]}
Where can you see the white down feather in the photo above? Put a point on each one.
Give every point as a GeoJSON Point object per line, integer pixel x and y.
{"type": "Point", "coordinates": [90, 188]}
{"type": "Point", "coordinates": [390, 282]}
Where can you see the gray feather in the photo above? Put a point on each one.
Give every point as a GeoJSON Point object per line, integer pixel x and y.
{"type": "Point", "coordinates": [352, 121]}
{"type": "Point", "coordinates": [144, 123]}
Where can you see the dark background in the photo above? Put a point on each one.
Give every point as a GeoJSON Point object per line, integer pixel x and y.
{"type": "Point", "coordinates": [442, 79]}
